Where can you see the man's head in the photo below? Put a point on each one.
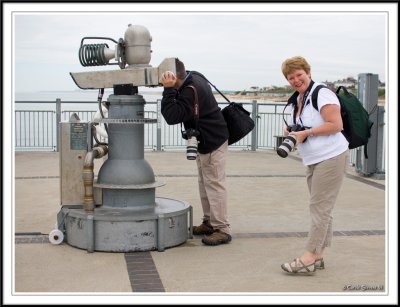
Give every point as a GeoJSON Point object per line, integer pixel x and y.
{"type": "Point", "coordinates": [180, 72]}
{"type": "Point", "coordinates": [180, 69]}
{"type": "Point", "coordinates": [169, 79]}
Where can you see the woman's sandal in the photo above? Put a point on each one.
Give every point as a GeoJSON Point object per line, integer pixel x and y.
{"type": "Point", "coordinates": [319, 264]}
{"type": "Point", "coordinates": [303, 269]}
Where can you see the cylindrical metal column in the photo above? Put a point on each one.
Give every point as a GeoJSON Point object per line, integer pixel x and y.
{"type": "Point", "coordinates": [128, 180]}
{"type": "Point", "coordinates": [368, 95]}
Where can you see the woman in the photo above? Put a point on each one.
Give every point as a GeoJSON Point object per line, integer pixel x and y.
{"type": "Point", "coordinates": [324, 151]}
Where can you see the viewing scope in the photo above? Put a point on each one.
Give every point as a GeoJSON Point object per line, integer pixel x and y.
{"type": "Point", "coordinates": [132, 54]}
{"type": "Point", "coordinates": [134, 49]}
{"type": "Point", "coordinates": [100, 54]}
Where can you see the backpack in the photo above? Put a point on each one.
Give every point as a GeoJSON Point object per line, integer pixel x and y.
{"type": "Point", "coordinates": [356, 123]}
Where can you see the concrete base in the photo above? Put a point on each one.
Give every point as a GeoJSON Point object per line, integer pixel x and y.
{"type": "Point", "coordinates": [168, 224]}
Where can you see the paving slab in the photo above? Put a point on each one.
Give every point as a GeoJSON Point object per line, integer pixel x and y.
{"type": "Point", "coordinates": [268, 211]}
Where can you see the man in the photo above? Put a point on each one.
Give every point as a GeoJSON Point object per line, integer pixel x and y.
{"type": "Point", "coordinates": [177, 106]}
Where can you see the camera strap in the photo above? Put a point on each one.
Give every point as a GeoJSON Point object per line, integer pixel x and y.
{"type": "Point", "coordinates": [293, 100]}
{"type": "Point", "coordinates": [296, 106]}
{"type": "Point", "coordinates": [196, 110]}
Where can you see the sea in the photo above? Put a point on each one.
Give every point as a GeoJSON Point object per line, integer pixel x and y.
{"type": "Point", "coordinates": [88, 100]}
{"type": "Point", "coordinates": [71, 100]}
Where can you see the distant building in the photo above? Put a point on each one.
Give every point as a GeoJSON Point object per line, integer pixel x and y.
{"type": "Point", "coordinates": [349, 82]}
{"type": "Point", "coordinates": [345, 84]}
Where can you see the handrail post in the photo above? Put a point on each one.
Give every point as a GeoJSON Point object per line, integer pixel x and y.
{"type": "Point", "coordinates": [158, 125]}
{"type": "Point", "coordinates": [254, 132]}
{"type": "Point", "coordinates": [58, 120]}
{"type": "Point", "coordinates": [380, 158]}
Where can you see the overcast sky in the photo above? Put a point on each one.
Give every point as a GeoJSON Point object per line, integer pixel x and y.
{"type": "Point", "coordinates": [235, 50]}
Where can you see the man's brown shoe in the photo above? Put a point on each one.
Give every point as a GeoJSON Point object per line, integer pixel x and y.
{"type": "Point", "coordinates": [216, 238]}
{"type": "Point", "coordinates": [204, 229]}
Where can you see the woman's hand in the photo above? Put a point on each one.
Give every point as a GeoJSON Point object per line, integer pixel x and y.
{"type": "Point", "coordinates": [301, 136]}
{"type": "Point", "coordinates": [285, 131]}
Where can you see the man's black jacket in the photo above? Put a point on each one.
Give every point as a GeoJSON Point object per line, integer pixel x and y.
{"type": "Point", "coordinates": [177, 106]}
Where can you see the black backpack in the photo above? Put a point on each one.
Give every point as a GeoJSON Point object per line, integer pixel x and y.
{"type": "Point", "coordinates": [356, 123]}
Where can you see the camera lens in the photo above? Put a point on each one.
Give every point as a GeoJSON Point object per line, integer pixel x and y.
{"type": "Point", "coordinates": [191, 148]}
{"type": "Point", "coordinates": [287, 146]}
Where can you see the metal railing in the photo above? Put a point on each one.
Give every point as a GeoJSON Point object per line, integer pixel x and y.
{"type": "Point", "coordinates": [38, 129]}
{"type": "Point", "coordinates": [35, 129]}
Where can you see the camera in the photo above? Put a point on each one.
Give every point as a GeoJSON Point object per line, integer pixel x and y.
{"type": "Point", "coordinates": [191, 148]}
{"type": "Point", "coordinates": [295, 127]}
{"type": "Point", "coordinates": [290, 141]}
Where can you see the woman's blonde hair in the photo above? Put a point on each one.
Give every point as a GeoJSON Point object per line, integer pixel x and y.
{"type": "Point", "coordinates": [295, 63]}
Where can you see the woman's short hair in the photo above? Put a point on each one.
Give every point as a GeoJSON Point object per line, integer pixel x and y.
{"type": "Point", "coordinates": [294, 63]}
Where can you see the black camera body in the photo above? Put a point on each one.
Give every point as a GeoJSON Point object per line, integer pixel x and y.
{"type": "Point", "coordinates": [191, 148]}
{"type": "Point", "coordinates": [295, 128]}
{"type": "Point", "coordinates": [187, 134]}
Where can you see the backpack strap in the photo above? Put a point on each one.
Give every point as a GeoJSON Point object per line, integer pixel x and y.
{"type": "Point", "coordinates": [202, 76]}
{"type": "Point", "coordinates": [346, 92]}
{"type": "Point", "coordinates": [314, 96]}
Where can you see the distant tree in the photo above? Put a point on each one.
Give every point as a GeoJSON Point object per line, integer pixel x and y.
{"type": "Point", "coordinates": [279, 90]}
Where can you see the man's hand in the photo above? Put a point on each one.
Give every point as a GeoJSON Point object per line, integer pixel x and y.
{"type": "Point", "coordinates": [168, 79]}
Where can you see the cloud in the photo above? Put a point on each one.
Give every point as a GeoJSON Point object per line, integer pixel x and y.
{"type": "Point", "coordinates": [238, 50]}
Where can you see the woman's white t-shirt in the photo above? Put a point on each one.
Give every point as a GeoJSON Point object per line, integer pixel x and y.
{"type": "Point", "coordinates": [319, 148]}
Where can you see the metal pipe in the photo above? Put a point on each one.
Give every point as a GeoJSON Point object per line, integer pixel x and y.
{"type": "Point", "coordinates": [90, 233]}
{"type": "Point", "coordinates": [88, 175]}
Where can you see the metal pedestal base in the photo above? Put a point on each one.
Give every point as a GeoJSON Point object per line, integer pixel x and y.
{"type": "Point", "coordinates": [168, 224]}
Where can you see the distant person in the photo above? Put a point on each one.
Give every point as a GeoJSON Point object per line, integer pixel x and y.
{"type": "Point", "coordinates": [324, 151]}
{"type": "Point", "coordinates": [177, 106]}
